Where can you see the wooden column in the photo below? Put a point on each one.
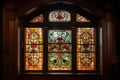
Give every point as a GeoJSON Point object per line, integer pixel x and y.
{"type": "Point", "coordinates": [1, 29]}
{"type": "Point", "coordinates": [9, 44]}
{"type": "Point", "coordinates": [107, 44]}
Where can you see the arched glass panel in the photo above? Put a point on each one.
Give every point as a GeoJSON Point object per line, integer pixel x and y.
{"type": "Point", "coordinates": [33, 48]}
{"type": "Point", "coordinates": [86, 48]}
{"type": "Point", "coordinates": [59, 16]}
{"type": "Point", "coordinates": [39, 18]}
{"type": "Point", "coordinates": [80, 18]}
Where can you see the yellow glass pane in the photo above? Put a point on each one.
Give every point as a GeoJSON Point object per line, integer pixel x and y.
{"type": "Point", "coordinates": [80, 18]}
{"type": "Point", "coordinates": [86, 61]}
{"type": "Point", "coordinates": [38, 18]}
{"type": "Point", "coordinates": [86, 35]}
{"type": "Point", "coordinates": [33, 48]}
{"type": "Point", "coordinates": [86, 48]}
{"type": "Point", "coordinates": [33, 35]}
{"type": "Point", "coordinates": [33, 61]}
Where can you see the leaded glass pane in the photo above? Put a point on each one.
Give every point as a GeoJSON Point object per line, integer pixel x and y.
{"type": "Point", "coordinates": [86, 36]}
{"type": "Point", "coordinates": [86, 61]}
{"type": "Point", "coordinates": [59, 47]}
{"type": "Point", "coordinates": [80, 18]}
{"type": "Point", "coordinates": [33, 48]}
{"type": "Point", "coordinates": [59, 16]}
{"type": "Point", "coordinates": [59, 50]}
{"type": "Point", "coordinates": [38, 18]}
{"type": "Point", "coordinates": [59, 36]}
{"type": "Point", "coordinates": [33, 35]}
{"type": "Point", "coordinates": [59, 61]}
{"type": "Point", "coordinates": [33, 61]}
{"type": "Point", "coordinates": [86, 48]}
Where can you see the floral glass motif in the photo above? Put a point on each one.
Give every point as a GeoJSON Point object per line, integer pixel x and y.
{"type": "Point", "coordinates": [38, 18]}
{"type": "Point", "coordinates": [59, 47]}
{"type": "Point", "coordinates": [33, 48]}
{"type": "Point", "coordinates": [80, 18]}
{"type": "Point", "coordinates": [86, 48]}
{"type": "Point", "coordinates": [59, 16]}
{"type": "Point", "coordinates": [59, 36]}
{"type": "Point", "coordinates": [85, 61]}
{"type": "Point", "coordinates": [59, 50]}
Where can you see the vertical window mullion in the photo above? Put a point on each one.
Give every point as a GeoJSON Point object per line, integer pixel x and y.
{"type": "Point", "coordinates": [74, 59]}
{"type": "Point", "coordinates": [45, 65]}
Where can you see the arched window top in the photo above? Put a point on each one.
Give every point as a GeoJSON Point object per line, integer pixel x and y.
{"type": "Point", "coordinates": [80, 18]}
{"type": "Point", "coordinates": [58, 12]}
{"type": "Point", "coordinates": [38, 18]}
{"type": "Point", "coordinates": [59, 16]}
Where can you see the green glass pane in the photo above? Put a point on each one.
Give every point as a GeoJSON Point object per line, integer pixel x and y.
{"type": "Point", "coordinates": [59, 61]}
{"type": "Point", "coordinates": [59, 47]}
{"type": "Point", "coordinates": [59, 36]}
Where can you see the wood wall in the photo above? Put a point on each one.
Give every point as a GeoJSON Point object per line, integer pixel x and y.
{"type": "Point", "coordinates": [14, 9]}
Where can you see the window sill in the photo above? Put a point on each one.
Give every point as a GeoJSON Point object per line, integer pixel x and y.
{"type": "Point", "coordinates": [56, 73]}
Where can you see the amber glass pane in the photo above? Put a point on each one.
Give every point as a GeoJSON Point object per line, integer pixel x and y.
{"type": "Point", "coordinates": [86, 61]}
{"type": "Point", "coordinates": [38, 18]}
{"type": "Point", "coordinates": [59, 16]}
{"type": "Point", "coordinates": [86, 36]}
{"type": "Point", "coordinates": [59, 50]}
{"type": "Point", "coordinates": [86, 48]}
{"type": "Point", "coordinates": [33, 48]}
{"type": "Point", "coordinates": [80, 18]}
{"type": "Point", "coordinates": [33, 61]}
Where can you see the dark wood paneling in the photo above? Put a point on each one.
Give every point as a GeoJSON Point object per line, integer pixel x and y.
{"type": "Point", "coordinates": [9, 39]}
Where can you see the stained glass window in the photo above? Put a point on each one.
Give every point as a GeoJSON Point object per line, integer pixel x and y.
{"type": "Point", "coordinates": [33, 48]}
{"type": "Point", "coordinates": [38, 18]}
{"type": "Point", "coordinates": [63, 50]}
{"type": "Point", "coordinates": [59, 16]}
{"type": "Point", "coordinates": [80, 18]}
{"type": "Point", "coordinates": [59, 50]}
{"type": "Point", "coordinates": [86, 48]}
